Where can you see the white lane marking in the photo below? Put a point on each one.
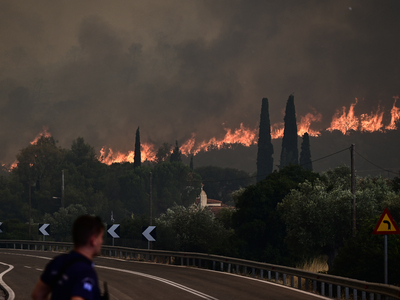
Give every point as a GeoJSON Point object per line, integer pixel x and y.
{"type": "Point", "coordinates": [166, 281]}
{"type": "Point", "coordinates": [224, 273]}
{"type": "Point", "coordinates": [28, 267]}
{"type": "Point", "coordinates": [11, 294]}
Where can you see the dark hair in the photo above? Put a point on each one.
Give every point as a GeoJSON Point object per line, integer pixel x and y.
{"type": "Point", "coordinates": [85, 227]}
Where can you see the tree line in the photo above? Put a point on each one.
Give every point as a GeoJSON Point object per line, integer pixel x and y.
{"type": "Point", "coordinates": [289, 216]}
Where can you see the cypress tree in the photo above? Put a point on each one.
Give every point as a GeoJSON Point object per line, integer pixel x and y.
{"type": "Point", "coordinates": [265, 147]}
{"type": "Point", "coordinates": [137, 159]}
{"type": "Point", "coordinates": [289, 152]}
{"type": "Point", "coordinates": [191, 162]}
{"type": "Point", "coordinates": [305, 154]}
{"type": "Point", "coordinates": [176, 154]}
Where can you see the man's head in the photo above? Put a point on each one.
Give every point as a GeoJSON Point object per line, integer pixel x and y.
{"type": "Point", "coordinates": [87, 230]}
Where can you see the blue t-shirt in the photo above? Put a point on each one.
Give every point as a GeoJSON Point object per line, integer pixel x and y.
{"type": "Point", "coordinates": [78, 279]}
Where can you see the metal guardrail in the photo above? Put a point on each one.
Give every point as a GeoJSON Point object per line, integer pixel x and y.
{"type": "Point", "coordinates": [323, 284]}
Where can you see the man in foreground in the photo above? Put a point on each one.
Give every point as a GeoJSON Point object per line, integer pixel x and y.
{"type": "Point", "coordinates": [72, 276]}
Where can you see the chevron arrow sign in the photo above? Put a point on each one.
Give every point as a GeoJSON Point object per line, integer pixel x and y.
{"type": "Point", "coordinates": [113, 230]}
{"type": "Point", "coordinates": [149, 233]}
{"type": "Point", "coordinates": [44, 229]}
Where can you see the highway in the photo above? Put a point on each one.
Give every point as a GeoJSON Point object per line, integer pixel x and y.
{"type": "Point", "coordinates": [20, 269]}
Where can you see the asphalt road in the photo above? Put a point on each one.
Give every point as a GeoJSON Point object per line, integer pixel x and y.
{"type": "Point", "coordinates": [140, 280]}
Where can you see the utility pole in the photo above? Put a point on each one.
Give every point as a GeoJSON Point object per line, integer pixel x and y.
{"type": "Point", "coordinates": [151, 200]}
{"type": "Point", "coordinates": [353, 187]}
{"type": "Point", "coordinates": [30, 210]}
{"type": "Point", "coordinates": [62, 188]}
{"type": "Point", "coordinates": [151, 207]}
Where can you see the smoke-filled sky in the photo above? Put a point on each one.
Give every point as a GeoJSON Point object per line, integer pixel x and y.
{"type": "Point", "coordinates": [98, 69]}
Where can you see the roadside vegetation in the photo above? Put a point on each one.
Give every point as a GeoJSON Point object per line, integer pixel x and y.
{"type": "Point", "coordinates": [292, 217]}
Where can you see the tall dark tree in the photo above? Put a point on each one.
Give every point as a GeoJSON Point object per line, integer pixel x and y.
{"type": "Point", "coordinates": [290, 152]}
{"type": "Point", "coordinates": [176, 153]}
{"type": "Point", "coordinates": [305, 154]}
{"type": "Point", "coordinates": [191, 162]}
{"type": "Point", "coordinates": [265, 147]}
{"type": "Point", "coordinates": [138, 156]}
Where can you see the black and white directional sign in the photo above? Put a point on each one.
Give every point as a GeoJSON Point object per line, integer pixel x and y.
{"type": "Point", "coordinates": [44, 229]}
{"type": "Point", "coordinates": [1, 229]}
{"type": "Point", "coordinates": [113, 230]}
{"type": "Point", "coordinates": [149, 233]}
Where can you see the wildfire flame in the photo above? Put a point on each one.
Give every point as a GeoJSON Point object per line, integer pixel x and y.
{"type": "Point", "coordinates": [395, 112]}
{"type": "Point", "coordinates": [345, 122]}
{"type": "Point", "coordinates": [305, 124]}
{"type": "Point", "coordinates": [44, 133]}
{"type": "Point", "coordinates": [342, 121]}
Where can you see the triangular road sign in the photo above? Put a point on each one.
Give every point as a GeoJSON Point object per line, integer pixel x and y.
{"type": "Point", "coordinates": [386, 224]}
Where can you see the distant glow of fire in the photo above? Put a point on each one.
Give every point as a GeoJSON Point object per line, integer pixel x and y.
{"type": "Point", "coordinates": [44, 133]}
{"type": "Point", "coordinates": [395, 112]}
{"type": "Point", "coordinates": [345, 122]}
{"type": "Point", "coordinates": [342, 121]}
{"type": "Point", "coordinates": [305, 123]}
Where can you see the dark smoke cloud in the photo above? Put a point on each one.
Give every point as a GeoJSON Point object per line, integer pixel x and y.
{"type": "Point", "coordinates": [99, 69]}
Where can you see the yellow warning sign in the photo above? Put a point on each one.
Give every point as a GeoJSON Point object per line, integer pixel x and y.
{"type": "Point", "coordinates": [386, 224]}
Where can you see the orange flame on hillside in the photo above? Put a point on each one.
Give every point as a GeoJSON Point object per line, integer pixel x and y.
{"type": "Point", "coordinates": [305, 123]}
{"type": "Point", "coordinates": [244, 136]}
{"type": "Point", "coordinates": [44, 133]}
{"type": "Point", "coordinates": [108, 156]}
{"type": "Point", "coordinates": [342, 121]}
{"type": "Point", "coordinates": [395, 112]}
{"type": "Point", "coordinates": [346, 122]}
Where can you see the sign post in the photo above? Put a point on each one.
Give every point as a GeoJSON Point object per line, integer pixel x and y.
{"type": "Point", "coordinates": [386, 225]}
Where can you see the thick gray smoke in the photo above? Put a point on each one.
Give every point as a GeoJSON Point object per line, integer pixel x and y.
{"type": "Point", "coordinates": [99, 69]}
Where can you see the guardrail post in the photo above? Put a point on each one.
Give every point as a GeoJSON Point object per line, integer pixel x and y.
{"type": "Point", "coordinates": [299, 282]}
{"type": "Point", "coordinates": [346, 293]}
{"type": "Point", "coordinates": [363, 295]}
{"type": "Point", "coordinates": [371, 296]}
{"type": "Point", "coordinates": [245, 271]}
{"type": "Point", "coordinates": [14, 246]}
{"type": "Point", "coordinates": [307, 284]}
{"type": "Point", "coordinates": [229, 268]}
{"type": "Point", "coordinates": [314, 285]}
{"type": "Point", "coordinates": [355, 294]}
{"type": "Point", "coordinates": [276, 276]}
{"type": "Point", "coordinates": [339, 292]}
{"type": "Point", "coordinates": [262, 274]}
{"type": "Point", "coordinates": [269, 275]}
{"type": "Point", "coordinates": [213, 265]}
{"type": "Point", "coordinates": [35, 247]}
{"type": "Point", "coordinates": [330, 291]}
{"type": "Point", "coordinates": [323, 288]}
{"type": "Point", "coordinates": [237, 269]}
{"type": "Point", "coordinates": [284, 279]}
{"type": "Point", "coordinates": [253, 271]}
{"type": "Point", "coordinates": [22, 246]}
{"type": "Point", "coordinates": [222, 266]}
{"type": "Point", "coordinates": [292, 281]}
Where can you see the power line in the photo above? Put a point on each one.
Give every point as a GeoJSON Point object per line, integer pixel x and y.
{"type": "Point", "coordinates": [375, 165]}
{"type": "Point", "coordinates": [250, 177]}
{"type": "Point", "coordinates": [327, 156]}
